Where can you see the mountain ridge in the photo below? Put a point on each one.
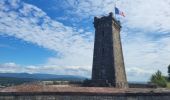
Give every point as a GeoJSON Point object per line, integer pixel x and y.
{"type": "Point", "coordinates": [40, 76]}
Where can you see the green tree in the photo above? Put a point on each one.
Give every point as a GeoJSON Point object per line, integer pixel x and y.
{"type": "Point", "coordinates": [169, 72]}
{"type": "Point", "coordinates": [159, 79]}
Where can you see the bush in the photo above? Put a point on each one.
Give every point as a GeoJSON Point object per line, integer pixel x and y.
{"type": "Point", "coordinates": [159, 79]}
{"type": "Point", "coordinates": [87, 83]}
{"type": "Point", "coordinates": [169, 73]}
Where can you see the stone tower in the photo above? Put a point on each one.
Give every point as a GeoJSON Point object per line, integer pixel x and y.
{"type": "Point", "coordinates": [108, 64]}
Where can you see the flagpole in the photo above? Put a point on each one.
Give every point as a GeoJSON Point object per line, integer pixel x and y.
{"type": "Point", "coordinates": [114, 8]}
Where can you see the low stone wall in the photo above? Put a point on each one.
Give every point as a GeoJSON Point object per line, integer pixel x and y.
{"type": "Point", "coordinates": [83, 96]}
{"type": "Point", "coordinates": [138, 85]}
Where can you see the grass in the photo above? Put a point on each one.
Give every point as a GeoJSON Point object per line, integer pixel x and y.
{"type": "Point", "coordinates": [168, 84]}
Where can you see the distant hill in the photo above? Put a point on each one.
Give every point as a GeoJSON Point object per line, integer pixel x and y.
{"type": "Point", "coordinates": [38, 76]}
{"type": "Point", "coordinates": [10, 79]}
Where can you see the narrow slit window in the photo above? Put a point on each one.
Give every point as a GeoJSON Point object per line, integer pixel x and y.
{"type": "Point", "coordinates": [102, 51]}
{"type": "Point", "coordinates": [103, 33]}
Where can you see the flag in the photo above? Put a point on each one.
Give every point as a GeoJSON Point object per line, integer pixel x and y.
{"type": "Point", "coordinates": [117, 11]}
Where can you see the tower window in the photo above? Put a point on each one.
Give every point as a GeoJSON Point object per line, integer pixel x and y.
{"type": "Point", "coordinates": [103, 33]}
{"type": "Point", "coordinates": [102, 51]}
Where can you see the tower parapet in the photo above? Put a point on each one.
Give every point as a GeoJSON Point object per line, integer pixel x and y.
{"type": "Point", "coordinates": [97, 20]}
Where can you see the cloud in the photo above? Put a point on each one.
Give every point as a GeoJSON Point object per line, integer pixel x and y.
{"type": "Point", "coordinates": [138, 74]}
{"type": "Point", "coordinates": [52, 69]}
{"type": "Point", "coordinates": [145, 31]}
{"type": "Point", "coordinates": [7, 46]}
{"type": "Point", "coordinates": [145, 34]}
{"type": "Point", "coordinates": [10, 67]}
{"type": "Point", "coordinates": [31, 24]}
{"type": "Point", "coordinates": [133, 73]}
{"type": "Point", "coordinates": [148, 15]}
{"type": "Point", "coordinates": [89, 8]}
{"type": "Point", "coordinates": [145, 55]}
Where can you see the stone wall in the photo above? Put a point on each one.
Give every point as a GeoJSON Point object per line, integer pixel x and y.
{"type": "Point", "coordinates": [84, 96]}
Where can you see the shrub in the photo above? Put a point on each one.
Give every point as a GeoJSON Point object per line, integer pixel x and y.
{"type": "Point", "coordinates": [169, 73]}
{"type": "Point", "coordinates": [159, 79]}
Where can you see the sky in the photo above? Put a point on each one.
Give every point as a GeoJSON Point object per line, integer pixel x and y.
{"type": "Point", "coordinates": [57, 36]}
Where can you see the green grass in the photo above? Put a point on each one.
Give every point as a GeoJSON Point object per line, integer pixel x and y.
{"type": "Point", "coordinates": [168, 84]}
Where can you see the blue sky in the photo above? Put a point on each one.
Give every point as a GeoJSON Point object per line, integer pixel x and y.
{"type": "Point", "coordinates": [57, 36]}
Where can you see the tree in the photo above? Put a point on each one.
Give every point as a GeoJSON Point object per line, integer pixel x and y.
{"type": "Point", "coordinates": [169, 72]}
{"type": "Point", "coordinates": [159, 79]}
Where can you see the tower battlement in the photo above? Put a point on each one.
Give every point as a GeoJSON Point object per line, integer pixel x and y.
{"type": "Point", "coordinates": [106, 19]}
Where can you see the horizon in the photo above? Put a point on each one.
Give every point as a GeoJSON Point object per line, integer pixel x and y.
{"type": "Point", "coordinates": [63, 77]}
{"type": "Point", "coordinates": [57, 37]}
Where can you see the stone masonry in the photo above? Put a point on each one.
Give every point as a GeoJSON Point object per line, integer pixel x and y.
{"type": "Point", "coordinates": [108, 64]}
{"type": "Point", "coordinates": [52, 92]}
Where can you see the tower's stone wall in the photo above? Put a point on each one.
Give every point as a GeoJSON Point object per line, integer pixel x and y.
{"type": "Point", "coordinates": [108, 65]}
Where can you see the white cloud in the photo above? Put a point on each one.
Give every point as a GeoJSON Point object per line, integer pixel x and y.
{"type": "Point", "coordinates": [144, 34]}
{"type": "Point", "coordinates": [89, 8]}
{"type": "Point", "coordinates": [10, 67]}
{"type": "Point", "coordinates": [142, 53]}
{"type": "Point", "coordinates": [50, 69]}
{"type": "Point", "coordinates": [145, 56]}
{"type": "Point", "coordinates": [31, 24]}
{"type": "Point", "coordinates": [148, 15]}
{"type": "Point", "coordinates": [7, 46]}
{"type": "Point", "coordinates": [138, 74]}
